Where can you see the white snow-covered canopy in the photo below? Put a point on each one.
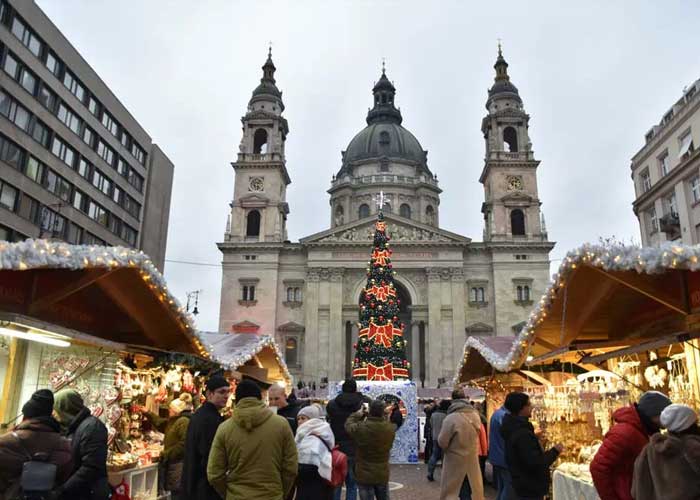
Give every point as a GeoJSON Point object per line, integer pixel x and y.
{"type": "Point", "coordinates": [233, 350]}
{"type": "Point", "coordinates": [112, 293]}
{"type": "Point", "coordinates": [603, 297]}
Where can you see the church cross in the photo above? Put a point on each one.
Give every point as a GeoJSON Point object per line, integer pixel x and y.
{"type": "Point", "coordinates": [381, 200]}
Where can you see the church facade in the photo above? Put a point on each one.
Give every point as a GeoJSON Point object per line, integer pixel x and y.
{"type": "Point", "coordinates": [306, 293]}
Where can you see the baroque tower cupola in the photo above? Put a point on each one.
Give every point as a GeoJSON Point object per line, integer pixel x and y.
{"type": "Point", "coordinates": [259, 208]}
{"type": "Point", "coordinates": [511, 208]}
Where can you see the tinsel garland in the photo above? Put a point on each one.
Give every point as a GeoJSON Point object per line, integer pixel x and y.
{"type": "Point", "coordinates": [607, 256]}
{"type": "Point", "coordinates": [36, 254]}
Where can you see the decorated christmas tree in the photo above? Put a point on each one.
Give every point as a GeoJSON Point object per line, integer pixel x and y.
{"type": "Point", "coordinates": [380, 352]}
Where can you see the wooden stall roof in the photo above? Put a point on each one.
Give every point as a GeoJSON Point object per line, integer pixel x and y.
{"type": "Point", "coordinates": [481, 354]}
{"type": "Point", "coordinates": [605, 297]}
{"type": "Point", "coordinates": [112, 293]}
{"type": "Point", "coordinates": [233, 350]}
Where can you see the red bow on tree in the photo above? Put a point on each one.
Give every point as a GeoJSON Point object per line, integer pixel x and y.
{"type": "Point", "coordinates": [382, 334]}
{"type": "Point", "coordinates": [380, 257]}
{"type": "Point", "coordinates": [385, 372]}
{"type": "Point", "coordinates": [381, 292]}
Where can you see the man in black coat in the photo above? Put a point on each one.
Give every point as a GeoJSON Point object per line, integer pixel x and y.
{"type": "Point", "coordinates": [200, 436]}
{"type": "Point", "coordinates": [527, 462]}
{"type": "Point", "coordinates": [339, 409]}
{"type": "Point", "coordinates": [287, 408]}
{"type": "Point", "coordinates": [88, 448]}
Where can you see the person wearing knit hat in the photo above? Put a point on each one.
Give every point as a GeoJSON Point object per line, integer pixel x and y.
{"type": "Point", "coordinates": [668, 467]}
{"type": "Point", "coordinates": [200, 435]}
{"type": "Point", "coordinates": [89, 437]}
{"type": "Point", "coordinates": [38, 433]}
{"type": "Point", "coordinates": [314, 440]}
{"type": "Point", "coordinates": [253, 454]}
{"type": "Point", "coordinates": [612, 467]}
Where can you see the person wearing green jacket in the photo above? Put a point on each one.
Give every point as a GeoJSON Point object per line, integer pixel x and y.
{"type": "Point", "coordinates": [254, 456]}
{"type": "Point", "coordinates": [373, 435]}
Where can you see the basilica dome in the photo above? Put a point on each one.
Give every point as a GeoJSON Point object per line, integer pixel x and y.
{"type": "Point", "coordinates": [384, 139]}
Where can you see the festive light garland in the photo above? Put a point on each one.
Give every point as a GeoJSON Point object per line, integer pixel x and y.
{"type": "Point", "coordinates": [37, 254]}
{"type": "Point", "coordinates": [233, 359]}
{"type": "Point", "coordinates": [609, 257]}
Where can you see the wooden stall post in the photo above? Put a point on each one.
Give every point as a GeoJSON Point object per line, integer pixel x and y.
{"type": "Point", "coordinates": [13, 379]}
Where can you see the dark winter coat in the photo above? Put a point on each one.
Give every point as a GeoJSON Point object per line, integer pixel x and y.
{"type": "Point", "coordinates": [200, 435]}
{"type": "Point", "coordinates": [668, 468]}
{"type": "Point", "coordinates": [528, 463]}
{"type": "Point", "coordinates": [339, 409]}
{"type": "Point", "coordinates": [436, 420]}
{"type": "Point", "coordinates": [373, 437]}
{"type": "Point", "coordinates": [88, 481]}
{"type": "Point", "coordinates": [36, 435]}
{"type": "Point", "coordinates": [613, 465]}
{"type": "Point", "coordinates": [290, 412]}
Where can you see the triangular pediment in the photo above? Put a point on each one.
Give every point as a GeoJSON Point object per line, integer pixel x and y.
{"type": "Point", "coordinates": [290, 326]}
{"type": "Point", "coordinates": [401, 230]}
{"type": "Point", "coordinates": [517, 197]}
{"type": "Point", "coordinates": [245, 326]}
{"type": "Point", "coordinates": [479, 328]}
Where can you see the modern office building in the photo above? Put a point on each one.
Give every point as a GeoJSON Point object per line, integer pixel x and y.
{"type": "Point", "coordinates": [74, 163]}
{"type": "Point", "coordinates": [666, 175]}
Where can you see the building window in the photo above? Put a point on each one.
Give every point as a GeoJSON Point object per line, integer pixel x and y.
{"type": "Point", "coordinates": [477, 295]}
{"type": "Point", "coordinates": [260, 141]}
{"type": "Point", "coordinates": [363, 211]}
{"type": "Point", "coordinates": [663, 164]}
{"type": "Point", "coordinates": [84, 168]}
{"type": "Point", "coordinates": [105, 152]}
{"type": "Point", "coordinates": [69, 118]}
{"type": "Point", "coordinates": [11, 153]}
{"type": "Point", "coordinates": [35, 170]}
{"type": "Point", "coordinates": [687, 146]}
{"type": "Point", "coordinates": [405, 211]}
{"type": "Point", "coordinates": [109, 123]}
{"type": "Point", "coordinates": [132, 206]}
{"type": "Point", "coordinates": [671, 205]}
{"type": "Point", "coordinates": [88, 136]}
{"type": "Point", "coordinates": [14, 112]}
{"type": "Point", "coordinates": [52, 63]}
{"type": "Point", "coordinates": [11, 66]}
{"type": "Point", "coordinates": [8, 196]}
{"type": "Point", "coordinates": [138, 153]}
{"type": "Point", "coordinates": [25, 36]}
{"type": "Point", "coordinates": [122, 167]}
{"type": "Point", "coordinates": [93, 106]}
{"type": "Point", "coordinates": [291, 351]}
{"type": "Point", "coordinates": [63, 151]}
{"type": "Point", "coordinates": [253, 223]}
{"type": "Point", "coordinates": [74, 234]}
{"type": "Point", "coordinates": [47, 97]}
{"type": "Point", "coordinates": [430, 215]}
{"type": "Point", "coordinates": [28, 81]}
{"type": "Point", "coordinates": [57, 185]}
{"type": "Point", "coordinates": [135, 180]}
{"type": "Point", "coordinates": [653, 220]}
{"type": "Point", "coordinates": [510, 140]}
{"type": "Point", "coordinates": [101, 182]}
{"type": "Point", "coordinates": [248, 293]}
{"type": "Point", "coordinates": [125, 139]}
{"type": "Point", "coordinates": [645, 180]}
{"type": "Point", "coordinates": [129, 234]}
{"type": "Point", "coordinates": [97, 213]}
{"type": "Point", "coordinates": [695, 188]}
{"type": "Point", "coordinates": [517, 222]}
{"type": "Point", "coordinates": [79, 200]}
{"type": "Point", "coordinates": [523, 293]}
{"type": "Point", "coordinates": [75, 87]}
{"type": "Point", "coordinates": [41, 133]}
{"type": "Point", "coordinates": [521, 256]}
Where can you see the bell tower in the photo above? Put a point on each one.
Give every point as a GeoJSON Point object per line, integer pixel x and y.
{"type": "Point", "coordinates": [511, 205]}
{"type": "Point", "coordinates": [259, 208]}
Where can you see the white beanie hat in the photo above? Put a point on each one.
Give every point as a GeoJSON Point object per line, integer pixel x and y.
{"type": "Point", "coordinates": [311, 411]}
{"type": "Point", "coordinates": [677, 418]}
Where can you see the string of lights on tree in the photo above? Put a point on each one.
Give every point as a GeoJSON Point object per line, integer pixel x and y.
{"type": "Point", "coordinates": [380, 352]}
{"type": "Point", "coordinates": [609, 256]}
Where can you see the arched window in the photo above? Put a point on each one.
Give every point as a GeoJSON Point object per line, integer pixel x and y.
{"type": "Point", "coordinates": [384, 138]}
{"type": "Point", "coordinates": [386, 208]}
{"type": "Point", "coordinates": [253, 223]}
{"type": "Point", "coordinates": [339, 216]}
{"type": "Point", "coordinates": [297, 295]}
{"type": "Point", "coordinates": [291, 351]}
{"type": "Point", "coordinates": [405, 211]}
{"type": "Point", "coordinates": [260, 141]}
{"type": "Point", "coordinates": [510, 140]}
{"type": "Point", "coordinates": [517, 222]}
{"type": "Point", "coordinates": [364, 211]}
{"type": "Point", "coordinates": [429, 215]}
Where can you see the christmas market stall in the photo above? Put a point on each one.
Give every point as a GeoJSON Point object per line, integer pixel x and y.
{"type": "Point", "coordinates": [248, 354]}
{"type": "Point", "coordinates": [630, 317]}
{"type": "Point", "coordinates": [98, 320]}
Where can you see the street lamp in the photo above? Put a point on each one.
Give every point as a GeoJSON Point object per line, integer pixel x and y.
{"type": "Point", "coordinates": [193, 296]}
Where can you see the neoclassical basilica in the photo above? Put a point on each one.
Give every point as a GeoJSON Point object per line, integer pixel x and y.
{"type": "Point", "coordinates": [306, 293]}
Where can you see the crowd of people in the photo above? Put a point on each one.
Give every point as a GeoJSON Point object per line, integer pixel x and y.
{"type": "Point", "coordinates": [289, 450]}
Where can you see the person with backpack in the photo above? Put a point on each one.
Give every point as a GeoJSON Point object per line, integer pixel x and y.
{"type": "Point", "coordinates": [253, 455]}
{"type": "Point", "coordinates": [315, 442]}
{"type": "Point", "coordinates": [88, 447]}
{"type": "Point", "coordinates": [36, 439]}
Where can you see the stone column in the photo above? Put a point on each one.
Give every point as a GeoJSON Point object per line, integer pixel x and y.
{"type": "Point", "coordinates": [434, 354]}
{"type": "Point", "coordinates": [458, 317]}
{"type": "Point", "coordinates": [311, 338]}
{"type": "Point", "coordinates": [336, 332]}
{"type": "Point", "coordinates": [414, 350]}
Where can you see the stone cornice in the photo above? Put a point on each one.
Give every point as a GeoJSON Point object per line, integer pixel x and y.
{"type": "Point", "coordinates": [264, 165]}
{"type": "Point", "coordinates": [488, 164]}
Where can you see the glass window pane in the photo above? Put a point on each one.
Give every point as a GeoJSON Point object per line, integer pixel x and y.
{"type": "Point", "coordinates": [51, 63]}
{"type": "Point", "coordinates": [10, 66]}
{"type": "Point", "coordinates": [18, 28]}
{"type": "Point", "coordinates": [28, 82]}
{"type": "Point", "coordinates": [34, 45]}
{"type": "Point", "coordinates": [22, 118]}
{"type": "Point", "coordinates": [8, 197]}
{"type": "Point", "coordinates": [34, 169]}
{"type": "Point", "coordinates": [5, 101]}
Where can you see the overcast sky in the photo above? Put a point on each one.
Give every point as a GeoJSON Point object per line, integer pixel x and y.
{"type": "Point", "coordinates": [594, 77]}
